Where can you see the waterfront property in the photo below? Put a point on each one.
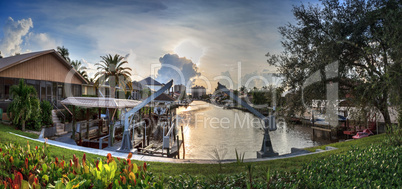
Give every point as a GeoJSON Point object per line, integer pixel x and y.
{"type": "Point", "coordinates": [198, 91]}
{"type": "Point", "coordinates": [51, 75]}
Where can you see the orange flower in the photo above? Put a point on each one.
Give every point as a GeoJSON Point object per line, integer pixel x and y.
{"type": "Point", "coordinates": [123, 179]}
{"type": "Point", "coordinates": [109, 158]}
{"type": "Point", "coordinates": [36, 147]}
{"type": "Point", "coordinates": [84, 158]}
{"type": "Point", "coordinates": [62, 164]}
{"type": "Point", "coordinates": [129, 161]}
{"type": "Point", "coordinates": [130, 167]}
{"type": "Point", "coordinates": [129, 155]}
{"type": "Point", "coordinates": [11, 159]}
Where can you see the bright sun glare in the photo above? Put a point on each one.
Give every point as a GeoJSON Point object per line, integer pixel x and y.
{"type": "Point", "coordinates": [190, 50]}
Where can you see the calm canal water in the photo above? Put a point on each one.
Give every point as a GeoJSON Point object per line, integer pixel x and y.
{"type": "Point", "coordinates": [209, 128]}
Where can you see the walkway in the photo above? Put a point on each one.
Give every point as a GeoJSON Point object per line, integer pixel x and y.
{"type": "Point", "coordinates": [138, 157]}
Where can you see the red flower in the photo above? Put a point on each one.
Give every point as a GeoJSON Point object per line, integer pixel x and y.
{"type": "Point", "coordinates": [71, 163]}
{"type": "Point", "coordinates": [84, 158]}
{"type": "Point", "coordinates": [97, 163]}
{"type": "Point", "coordinates": [57, 161]}
{"type": "Point", "coordinates": [17, 179]}
{"type": "Point", "coordinates": [26, 163]}
{"type": "Point", "coordinates": [145, 166]}
{"type": "Point", "coordinates": [62, 164]}
{"type": "Point", "coordinates": [36, 147]}
{"type": "Point", "coordinates": [118, 158]}
{"type": "Point", "coordinates": [1, 149]}
{"type": "Point", "coordinates": [129, 155]}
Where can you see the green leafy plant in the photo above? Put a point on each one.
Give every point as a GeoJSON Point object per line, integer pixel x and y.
{"type": "Point", "coordinates": [24, 103]}
{"type": "Point", "coordinates": [239, 157]}
{"type": "Point", "coordinates": [46, 115]}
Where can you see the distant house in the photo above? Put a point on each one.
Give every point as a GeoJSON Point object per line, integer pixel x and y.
{"type": "Point", "coordinates": [198, 91]}
{"type": "Point", "coordinates": [179, 89]}
{"type": "Point", "coordinates": [53, 77]}
{"type": "Point", "coordinates": [151, 84]}
{"type": "Point", "coordinates": [136, 92]}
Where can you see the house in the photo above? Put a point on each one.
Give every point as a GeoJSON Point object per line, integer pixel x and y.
{"type": "Point", "coordinates": [136, 92]}
{"type": "Point", "coordinates": [53, 77]}
{"type": "Point", "coordinates": [198, 91]}
{"type": "Point", "coordinates": [151, 84]}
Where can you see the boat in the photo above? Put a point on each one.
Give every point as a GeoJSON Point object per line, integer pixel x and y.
{"type": "Point", "coordinates": [365, 133]}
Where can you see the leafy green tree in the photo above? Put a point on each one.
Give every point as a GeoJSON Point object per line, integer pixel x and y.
{"type": "Point", "coordinates": [362, 36]}
{"type": "Point", "coordinates": [111, 69]}
{"type": "Point", "coordinates": [24, 102]}
{"type": "Point", "coordinates": [64, 53]}
{"type": "Point", "coordinates": [77, 65]}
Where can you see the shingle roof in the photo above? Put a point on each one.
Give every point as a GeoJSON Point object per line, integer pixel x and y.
{"type": "Point", "coordinates": [164, 98]}
{"type": "Point", "coordinates": [149, 81]}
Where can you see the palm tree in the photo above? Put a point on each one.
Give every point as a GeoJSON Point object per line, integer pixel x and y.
{"type": "Point", "coordinates": [77, 65]}
{"type": "Point", "coordinates": [24, 103]}
{"type": "Point", "coordinates": [64, 53]}
{"type": "Point", "coordinates": [111, 69]}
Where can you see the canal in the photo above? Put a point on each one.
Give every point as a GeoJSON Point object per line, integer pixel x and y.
{"type": "Point", "coordinates": [210, 129]}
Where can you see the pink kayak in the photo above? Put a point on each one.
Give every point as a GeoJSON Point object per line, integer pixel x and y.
{"type": "Point", "coordinates": [365, 133]}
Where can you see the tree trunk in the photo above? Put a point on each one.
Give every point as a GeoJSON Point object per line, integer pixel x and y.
{"type": "Point", "coordinates": [23, 126]}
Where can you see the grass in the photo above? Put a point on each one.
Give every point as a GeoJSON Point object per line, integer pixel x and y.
{"type": "Point", "coordinates": [172, 169]}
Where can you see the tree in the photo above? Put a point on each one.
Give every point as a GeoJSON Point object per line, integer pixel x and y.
{"type": "Point", "coordinates": [363, 37]}
{"type": "Point", "coordinates": [64, 53]}
{"type": "Point", "coordinates": [24, 103]}
{"type": "Point", "coordinates": [111, 69]}
{"type": "Point", "coordinates": [77, 65]}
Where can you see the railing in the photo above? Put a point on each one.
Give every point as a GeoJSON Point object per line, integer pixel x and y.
{"type": "Point", "coordinates": [170, 135]}
{"type": "Point", "coordinates": [58, 110]}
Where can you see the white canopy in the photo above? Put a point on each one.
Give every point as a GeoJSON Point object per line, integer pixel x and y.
{"type": "Point", "coordinates": [99, 102]}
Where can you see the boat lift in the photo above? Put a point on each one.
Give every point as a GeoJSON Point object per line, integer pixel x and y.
{"type": "Point", "coordinates": [269, 124]}
{"type": "Point", "coordinates": [126, 145]}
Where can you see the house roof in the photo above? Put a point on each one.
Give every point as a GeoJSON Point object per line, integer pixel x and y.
{"type": "Point", "coordinates": [164, 98]}
{"type": "Point", "coordinates": [98, 102]}
{"type": "Point", "coordinates": [11, 61]}
{"type": "Point", "coordinates": [150, 81]}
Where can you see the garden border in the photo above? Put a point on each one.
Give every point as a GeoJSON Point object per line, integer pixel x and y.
{"type": "Point", "coordinates": [168, 160]}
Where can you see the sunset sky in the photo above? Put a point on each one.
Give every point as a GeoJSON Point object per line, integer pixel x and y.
{"type": "Point", "coordinates": [215, 36]}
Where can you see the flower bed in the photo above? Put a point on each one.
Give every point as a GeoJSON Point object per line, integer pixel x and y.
{"type": "Point", "coordinates": [30, 167]}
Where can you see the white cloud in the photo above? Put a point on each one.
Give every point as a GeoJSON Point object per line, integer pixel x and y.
{"type": "Point", "coordinates": [40, 41]}
{"type": "Point", "coordinates": [13, 33]}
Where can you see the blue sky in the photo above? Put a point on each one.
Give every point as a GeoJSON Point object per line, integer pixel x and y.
{"type": "Point", "coordinates": [214, 35]}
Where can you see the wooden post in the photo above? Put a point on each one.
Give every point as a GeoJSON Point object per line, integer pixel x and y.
{"type": "Point", "coordinates": [87, 123]}
{"type": "Point", "coordinates": [178, 148]}
{"type": "Point", "coordinates": [73, 124]}
{"type": "Point", "coordinates": [143, 137]}
{"type": "Point", "coordinates": [100, 128]}
{"type": "Point", "coordinates": [182, 138]}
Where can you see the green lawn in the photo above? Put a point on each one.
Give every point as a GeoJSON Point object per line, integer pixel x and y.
{"type": "Point", "coordinates": [171, 169]}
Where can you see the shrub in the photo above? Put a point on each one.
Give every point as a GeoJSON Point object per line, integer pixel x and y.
{"type": "Point", "coordinates": [46, 115]}
{"type": "Point", "coordinates": [26, 167]}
